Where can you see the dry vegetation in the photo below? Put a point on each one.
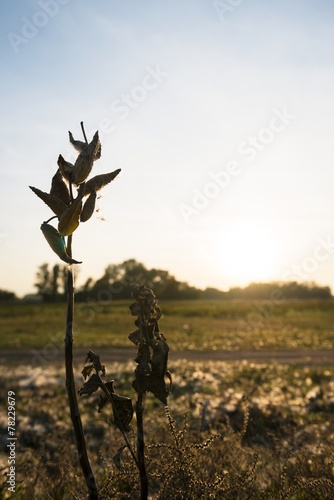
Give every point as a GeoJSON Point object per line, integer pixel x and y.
{"type": "Point", "coordinates": [251, 431]}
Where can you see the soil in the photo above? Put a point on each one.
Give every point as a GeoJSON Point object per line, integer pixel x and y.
{"type": "Point", "coordinates": [40, 357]}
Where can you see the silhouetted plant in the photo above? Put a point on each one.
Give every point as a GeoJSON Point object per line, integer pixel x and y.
{"type": "Point", "coordinates": [70, 209]}
{"type": "Point", "coordinates": [150, 374]}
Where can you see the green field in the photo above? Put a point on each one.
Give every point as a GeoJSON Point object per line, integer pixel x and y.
{"type": "Point", "coordinates": [227, 325]}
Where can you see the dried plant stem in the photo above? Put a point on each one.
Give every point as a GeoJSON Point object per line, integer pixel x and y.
{"type": "Point", "coordinates": [83, 131]}
{"type": "Point", "coordinates": [141, 446]}
{"type": "Point", "coordinates": [70, 386]}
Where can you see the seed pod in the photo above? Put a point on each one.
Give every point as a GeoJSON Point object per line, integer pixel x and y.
{"type": "Point", "coordinates": [99, 181]}
{"type": "Point", "coordinates": [57, 243]}
{"type": "Point", "coordinates": [66, 168]}
{"type": "Point", "coordinates": [69, 220]}
{"type": "Point", "coordinates": [78, 145]}
{"type": "Point", "coordinates": [88, 208]}
{"type": "Point", "coordinates": [60, 189]}
{"type": "Point", "coordinates": [85, 160]}
{"type": "Point", "coordinates": [57, 206]}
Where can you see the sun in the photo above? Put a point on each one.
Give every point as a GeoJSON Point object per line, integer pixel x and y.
{"type": "Point", "coordinates": [248, 252]}
{"type": "Point", "coordinates": [239, 252]}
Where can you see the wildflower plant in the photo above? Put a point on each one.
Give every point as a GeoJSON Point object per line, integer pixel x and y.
{"type": "Point", "coordinates": [72, 198]}
{"type": "Point", "coordinates": [150, 374]}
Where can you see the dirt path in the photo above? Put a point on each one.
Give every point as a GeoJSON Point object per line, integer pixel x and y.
{"type": "Point", "coordinates": [293, 356]}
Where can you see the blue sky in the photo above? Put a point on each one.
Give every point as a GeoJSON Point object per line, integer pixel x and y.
{"type": "Point", "coordinates": [220, 115]}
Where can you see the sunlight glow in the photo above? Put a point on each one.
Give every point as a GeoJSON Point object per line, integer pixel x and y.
{"type": "Point", "coordinates": [248, 252]}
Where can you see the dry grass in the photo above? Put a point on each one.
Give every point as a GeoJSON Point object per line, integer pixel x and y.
{"type": "Point", "coordinates": [251, 431]}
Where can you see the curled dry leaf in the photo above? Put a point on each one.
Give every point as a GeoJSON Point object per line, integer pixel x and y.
{"type": "Point", "coordinates": [135, 336]}
{"type": "Point", "coordinates": [57, 243]}
{"type": "Point", "coordinates": [87, 370]}
{"type": "Point", "coordinates": [117, 457]}
{"type": "Point", "coordinates": [99, 181]}
{"type": "Point", "coordinates": [96, 362]}
{"type": "Point", "coordinates": [69, 220]}
{"type": "Point", "coordinates": [121, 405]}
{"type": "Point", "coordinates": [88, 208]}
{"type": "Point", "coordinates": [57, 206]}
{"type": "Point", "coordinates": [66, 168]}
{"type": "Point", "coordinates": [85, 160]}
{"type": "Point", "coordinates": [59, 188]}
{"type": "Point", "coordinates": [91, 385]}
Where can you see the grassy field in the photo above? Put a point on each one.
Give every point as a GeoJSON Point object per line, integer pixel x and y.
{"type": "Point", "coordinates": [228, 325]}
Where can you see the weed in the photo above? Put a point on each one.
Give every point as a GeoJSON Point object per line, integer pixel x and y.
{"type": "Point", "coordinates": [70, 210]}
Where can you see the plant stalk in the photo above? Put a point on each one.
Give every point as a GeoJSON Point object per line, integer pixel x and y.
{"type": "Point", "coordinates": [70, 386]}
{"type": "Point", "coordinates": [141, 446]}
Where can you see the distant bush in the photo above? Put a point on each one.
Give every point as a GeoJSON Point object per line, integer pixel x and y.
{"type": "Point", "coordinates": [6, 295]}
{"type": "Point", "coordinates": [280, 291]}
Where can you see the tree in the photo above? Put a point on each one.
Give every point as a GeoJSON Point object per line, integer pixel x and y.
{"type": "Point", "coordinates": [117, 278]}
{"type": "Point", "coordinates": [50, 283]}
{"type": "Point", "coordinates": [6, 295]}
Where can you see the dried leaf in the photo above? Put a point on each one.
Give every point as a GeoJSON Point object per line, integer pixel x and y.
{"type": "Point", "coordinates": [88, 208]}
{"type": "Point", "coordinates": [69, 220]}
{"type": "Point", "coordinates": [160, 356]}
{"type": "Point", "coordinates": [117, 457]}
{"type": "Point", "coordinates": [96, 362]}
{"type": "Point", "coordinates": [87, 370]}
{"type": "Point", "coordinates": [66, 168]}
{"type": "Point", "coordinates": [85, 160]}
{"type": "Point", "coordinates": [123, 412]}
{"type": "Point", "coordinates": [135, 337]}
{"type": "Point", "coordinates": [122, 407]}
{"type": "Point", "coordinates": [57, 243]}
{"type": "Point", "coordinates": [152, 383]}
{"type": "Point", "coordinates": [91, 385]}
{"type": "Point", "coordinates": [102, 402]}
{"type": "Point", "coordinates": [99, 181]}
{"type": "Point", "coordinates": [57, 206]}
{"type": "Point", "coordinates": [60, 189]}
{"type": "Point", "coordinates": [135, 309]}
{"type": "Point", "coordinates": [169, 376]}
{"type": "Point", "coordinates": [143, 369]}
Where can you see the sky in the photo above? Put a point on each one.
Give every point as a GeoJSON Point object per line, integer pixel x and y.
{"type": "Point", "coordinates": [220, 115]}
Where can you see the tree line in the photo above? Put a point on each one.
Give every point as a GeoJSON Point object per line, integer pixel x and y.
{"type": "Point", "coordinates": [115, 284]}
